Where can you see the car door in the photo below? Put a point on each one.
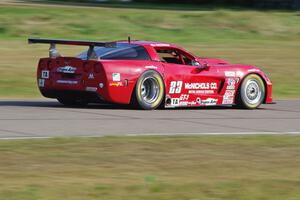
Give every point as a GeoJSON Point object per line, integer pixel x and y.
{"type": "Point", "coordinates": [188, 83]}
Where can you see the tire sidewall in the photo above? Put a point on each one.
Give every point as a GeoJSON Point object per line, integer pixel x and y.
{"type": "Point", "coordinates": [243, 94]}
{"type": "Point", "coordinates": [139, 100]}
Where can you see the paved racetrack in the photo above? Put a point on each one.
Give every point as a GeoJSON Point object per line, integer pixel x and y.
{"type": "Point", "coordinates": [46, 118]}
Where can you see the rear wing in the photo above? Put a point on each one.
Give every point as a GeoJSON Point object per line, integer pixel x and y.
{"type": "Point", "coordinates": [53, 53]}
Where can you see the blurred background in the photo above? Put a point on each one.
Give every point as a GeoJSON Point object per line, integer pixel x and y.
{"type": "Point", "coordinates": [265, 33]}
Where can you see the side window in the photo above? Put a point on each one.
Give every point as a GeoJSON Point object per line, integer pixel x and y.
{"type": "Point", "coordinates": [129, 53]}
{"type": "Point", "coordinates": [169, 56]}
{"type": "Point", "coordinates": [174, 56]}
{"type": "Point", "coordinates": [123, 51]}
{"type": "Point", "coordinates": [187, 60]}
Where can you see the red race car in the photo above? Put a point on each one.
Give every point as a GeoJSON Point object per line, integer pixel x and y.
{"type": "Point", "coordinates": [147, 74]}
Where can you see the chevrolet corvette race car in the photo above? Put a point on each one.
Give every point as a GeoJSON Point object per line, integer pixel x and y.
{"type": "Point", "coordinates": [147, 74]}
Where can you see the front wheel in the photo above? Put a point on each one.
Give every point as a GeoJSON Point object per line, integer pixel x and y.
{"type": "Point", "coordinates": [251, 93]}
{"type": "Point", "coordinates": [149, 90]}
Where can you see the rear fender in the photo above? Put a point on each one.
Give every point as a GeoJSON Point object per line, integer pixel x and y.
{"type": "Point", "coordinates": [122, 77]}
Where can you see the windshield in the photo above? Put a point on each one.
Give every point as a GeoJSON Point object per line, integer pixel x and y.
{"type": "Point", "coordinates": [123, 51]}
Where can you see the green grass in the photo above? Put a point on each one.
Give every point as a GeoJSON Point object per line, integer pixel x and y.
{"type": "Point", "coordinates": [161, 168]}
{"type": "Point", "coordinates": [268, 39]}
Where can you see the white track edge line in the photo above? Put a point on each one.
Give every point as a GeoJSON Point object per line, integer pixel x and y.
{"type": "Point", "coordinates": [154, 134]}
{"type": "Point", "coordinates": [216, 133]}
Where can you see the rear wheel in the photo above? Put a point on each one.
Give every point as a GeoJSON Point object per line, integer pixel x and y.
{"type": "Point", "coordinates": [72, 102]}
{"type": "Point", "coordinates": [251, 93]}
{"type": "Point", "coordinates": [149, 90]}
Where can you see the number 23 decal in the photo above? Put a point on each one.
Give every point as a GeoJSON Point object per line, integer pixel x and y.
{"type": "Point", "coordinates": [175, 87]}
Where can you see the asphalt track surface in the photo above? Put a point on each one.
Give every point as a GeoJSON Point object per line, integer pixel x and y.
{"type": "Point", "coordinates": [47, 118]}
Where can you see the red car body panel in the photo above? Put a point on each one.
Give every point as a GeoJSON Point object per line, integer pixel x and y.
{"type": "Point", "coordinates": [114, 80]}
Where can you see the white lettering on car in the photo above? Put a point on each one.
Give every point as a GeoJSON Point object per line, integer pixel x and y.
{"type": "Point", "coordinates": [229, 74]}
{"type": "Point", "coordinates": [66, 69]}
{"type": "Point", "coordinates": [184, 97]}
{"type": "Point", "coordinates": [45, 74]}
{"type": "Point", "coordinates": [91, 89]}
{"type": "Point", "coordinates": [227, 101]}
{"type": "Point", "coordinates": [228, 97]}
{"type": "Point", "coordinates": [91, 76]}
{"type": "Point", "coordinates": [202, 86]}
{"type": "Point", "coordinates": [174, 101]}
{"type": "Point", "coordinates": [41, 82]}
{"type": "Point", "coordinates": [201, 91]}
{"type": "Point", "coordinates": [150, 67]}
{"type": "Point", "coordinates": [160, 45]}
{"type": "Point", "coordinates": [67, 82]}
{"type": "Point", "coordinates": [116, 77]}
{"type": "Point", "coordinates": [175, 87]}
{"type": "Point", "coordinates": [209, 102]}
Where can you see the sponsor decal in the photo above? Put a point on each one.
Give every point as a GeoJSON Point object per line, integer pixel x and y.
{"type": "Point", "coordinates": [253, 70]}
{"type": "Point", "coordinates": [175, 102]}
{"type": "Point", "coordinates": [209, 102]}
{"type": "Point", "coordinates": [227, 101]}
{"type": "Point", "coordinates": [201, 91]}
{"type": "Point", "coordinates": [239, 73]}
{"type": "Point", "coordinates": [151, 67]}
{"type": "Point", "coordinates": [41, 82]}
{"type": "Point", "coordinates": [116, 84]}
{"type": "Point", "coordinates": [192, 103]}
{"type": "Point", "coordinates": [91, 89]}
{"type": "Point", "coordinates": [67, 82]}
{"type": "Point", "coordinates": [184, 97]}
{"type": "Point", "coordinates": [229, 93]}
{"type": "Point", "coordinates": [198, 100]}
{"type": "Point", "coordinates": [116, 77]}
{"type": "Point", "coordinates": [45, 74]}
{"type": "Point", "coordinates": [187, 103]}
{"type": "Point", "coordinates": [160, 45]}
{"type": "Point", "coordinates": [202, 86]}
{"type": "Point", "coordinates": [183, 103]}
{"type": "Point", "coordinates": [231, 84]}
{"type": "Point", "coordinates": [175, 87]}
{"type": "Point", "coordinates": [229, 74]}
{"type": "Point", "coordinates": [66, 69]}
{"type": "Point", "coordinates": [228, 97]}
{"type": "Point", "coordinates": [91, 76]}
{"type": "Point", "coordinates": [101, 85]}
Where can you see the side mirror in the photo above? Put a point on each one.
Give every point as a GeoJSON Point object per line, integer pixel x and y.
{"type": "Point", "coordinates": [199, 67]}
{"type": "Point", "coordinates": [195, 63]}
{"type": "Point", "coordinates": [204, 66]}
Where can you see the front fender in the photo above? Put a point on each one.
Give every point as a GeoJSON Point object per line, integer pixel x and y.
{"type": "Point", "coordinates": [267, 82]}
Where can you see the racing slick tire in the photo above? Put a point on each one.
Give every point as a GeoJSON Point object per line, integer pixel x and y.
{"type": "Point", "coordinates": [72, 102]}
{"type": "Point", "coordinates": [149, 90]}
{"type": "Point", "coordinates": [251, 93]}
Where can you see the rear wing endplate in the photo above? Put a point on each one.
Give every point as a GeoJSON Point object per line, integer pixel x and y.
{"type": "Point", "coordinates": [53, 53]}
